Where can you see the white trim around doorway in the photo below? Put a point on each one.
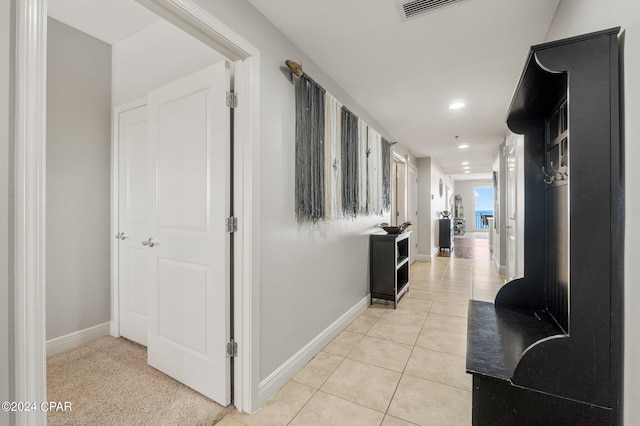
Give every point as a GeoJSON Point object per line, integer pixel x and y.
{"type": "Point", "coordinates": [29, 213]}
{"type": "Point", "coordinates": [30, 184]}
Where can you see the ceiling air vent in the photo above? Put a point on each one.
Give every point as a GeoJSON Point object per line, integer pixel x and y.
{"type": "Point", "coordinates": [414, 8]}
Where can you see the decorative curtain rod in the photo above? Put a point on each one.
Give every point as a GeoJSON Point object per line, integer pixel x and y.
{"type": "Point", "coordinates": [296, 69]}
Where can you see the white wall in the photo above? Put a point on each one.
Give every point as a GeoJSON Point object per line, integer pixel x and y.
{"type": "Point", "coordinates": [518, 142]}
{"type": "Point", "coordinates": [78, 180]}
{"type": "Point", "coordinates": [575, 17]}
{"type": "Point", "coordinates": [438, 203]}
{"type": "Point", "coordinates": [154, 56]}
{"type": "Point", "coordinates": [520, 204]}
{"type": "Point", "coordinates": [425, 192]}
{"type": "Point", "coordinates": [430, 204]}
{"type": "Point", "coordinates": [307, 276]}
{"type": "Point", "coordinates": [499, 242]}
{"type": "Point", "coordinates": [6, 100]}
{"type": "Point", "coordinates": [500, 216]}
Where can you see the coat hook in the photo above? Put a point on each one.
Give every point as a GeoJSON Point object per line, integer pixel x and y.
{"type": "Point", "coordinates": [562, 172]}
{"type": "Point", "coordinates": [550, 178]}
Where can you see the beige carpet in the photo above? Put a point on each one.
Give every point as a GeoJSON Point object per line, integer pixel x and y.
{"type": "Point", "coordinates": [109, 382]}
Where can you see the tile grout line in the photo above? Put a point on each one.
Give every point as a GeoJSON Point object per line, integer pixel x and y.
{"type": "Point", "coordinates": [438, 383]}
{"type": "Point", "coordinates": [413, 347]}
{"type": "Point", "coordinates": [336, 369]}
{"type": "Point", "coordinates": [304, 405]}
{"type": "Point", "coordinates": [442, 277]}
{"type": "Point", "coordinates": [332, 373]}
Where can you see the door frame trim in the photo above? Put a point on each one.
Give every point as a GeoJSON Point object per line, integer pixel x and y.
{"type": "Point", "coordinates": [409, 216]}
{"type": "Point", "coordinates": [404, 160]}
{"type": "Point", "coordinates": [30, 185]}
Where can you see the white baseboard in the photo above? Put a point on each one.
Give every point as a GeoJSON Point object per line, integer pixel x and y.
{"type": "Point", "coordinates": [428, 257]}
{"type": "Point", "coordinates": [434, 252]}
{"type": "Point", "coordinates": [272, 383]}
{"type": "Point", "coordinates": [77, 338]}
{"type": "Point", "coordinates": [502, 269]}
{"type": "Point", "coordinates": [114, 329]}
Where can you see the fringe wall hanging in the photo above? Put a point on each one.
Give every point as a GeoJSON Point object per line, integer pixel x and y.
{"type": "Point", "coordinates": [386, 175]}
{"type": "Point", "coordinates": [333, 157]}
{"type": "Point", "coordinates": [342, 164]}
{"type": "Point", "coordinates": [350, 165]}
{"type": "Point", "coordinates": [374, 171]}
{"type": "Point", "coordinates": [310, 178]}
{"type": "Point", "coordinates": [363, 186]}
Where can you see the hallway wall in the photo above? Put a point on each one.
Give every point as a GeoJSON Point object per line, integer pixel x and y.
{"type": "Point", "coordinates": [425, 247]}
{"type": "Point", "coordinates": [500, 217]}
{"type": "Point", "coordinates": [438, 203]}
{"type": "Point", "coordinates": [308, 275]}
{"type": "Point", "coordinates": [78, 180]}
{"type": "Point", "coordinates": [575, 17]}
{"type": "Point", "coordinates": [430, 204]}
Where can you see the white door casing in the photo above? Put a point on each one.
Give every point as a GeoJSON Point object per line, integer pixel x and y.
{"type": "Point", "coordinates": [135, 175]}
{"type": "Point", "coordinates": [398, 189]}
{"type": "Point", "coordinates": [512, 224]}
{"type": "Point", "coordinates": [413, 209]}
{"type": "Point", "coordinates": [394, 194]}
{"type": "Point", "coordinates": [189, 293]}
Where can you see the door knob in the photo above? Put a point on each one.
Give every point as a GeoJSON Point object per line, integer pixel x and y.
{"type": "Point", "coordinates": [121, 236]}
{"type": "Point", "coordinates": [150, 243]}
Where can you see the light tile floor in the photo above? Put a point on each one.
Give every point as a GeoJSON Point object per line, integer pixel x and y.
{"type": "Point", "coordinates": [392, 367]}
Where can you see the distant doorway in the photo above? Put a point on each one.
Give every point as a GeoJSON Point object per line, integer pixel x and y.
{"type": "Point", "coordinates": [398, 190]}
{"type": "Point", "coordinates": [483, 208]}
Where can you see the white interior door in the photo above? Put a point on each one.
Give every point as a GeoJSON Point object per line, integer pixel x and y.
{"type": "Point", "coordinates": [413, 210]}
{"type": "Point", "coordinates": [512, 219]}
{"type": "Point", "coordinates": [134, 222]}
{"type": "Point", "coordinates": [189, 296]}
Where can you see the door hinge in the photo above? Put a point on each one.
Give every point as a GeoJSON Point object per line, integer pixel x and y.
{"type": "Point", "coordinates": [232, 100]}
{"type": "Point", "coordinates": [232, 224]}
{"type": "Point", "coordinates": [232, 349]}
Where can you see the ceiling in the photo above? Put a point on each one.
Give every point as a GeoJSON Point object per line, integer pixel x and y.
{"type": "Point", "coordinates": [110, 21]}
{"type": "Point", "coordinates": [407, 73]}
{"type": "Point", "coordinates": [404, 73]}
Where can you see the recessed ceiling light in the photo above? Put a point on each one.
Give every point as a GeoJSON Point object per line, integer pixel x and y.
{"type": "Point", "coordinates": [463, 146]}
{"type": "Point", "coordinates": [465, 163]}
{"type": "Point", "coordinates": [467, 171]}
{"type": "Point", "coordinates": [457, 105]}
{"type": "Point", "coordinates": [466, 167]}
